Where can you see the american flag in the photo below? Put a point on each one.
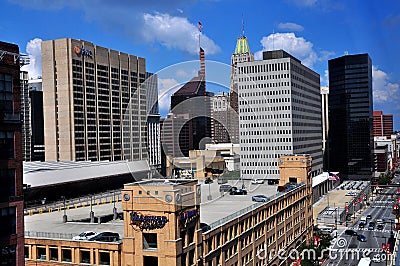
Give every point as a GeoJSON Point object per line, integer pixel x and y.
{"type": "Point", "coordinates": [333, 177]}
{"type": "Point", "coordinates": [200, 26]}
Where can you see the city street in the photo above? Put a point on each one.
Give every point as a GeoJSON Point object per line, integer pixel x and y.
{"type": "Point", "coordinates": [348, 249]}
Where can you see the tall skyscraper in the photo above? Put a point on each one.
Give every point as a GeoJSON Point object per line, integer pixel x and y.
{"type": "Point", "coordinates": [153, 120]}
{"type": "Point", "coordinates": [383, 124]}
{"type": "Point", "coordinates": [279, 112]}
{"type": "Point", "coordinates": [242, 54]}
{"type": "Point", "coordinates": [94, 102]}
{"type": "Point", "coordinates": [32, 118]}
{"type": "Point", "coordinates": [350, 116]}
{"type": "Point", "coordinates": [11, 195]}
{"type": "Point", "coordinates": [219, 118]}
{"type": "Point", "coordinates": [325, 124]}
{"type": "Point", "coordinates": [191, 108]}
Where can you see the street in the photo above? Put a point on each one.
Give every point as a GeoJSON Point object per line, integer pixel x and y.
{"type": "Point", "coordinates": [348, 250]}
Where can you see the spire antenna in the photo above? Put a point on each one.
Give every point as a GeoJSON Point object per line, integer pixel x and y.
{"type": "Point", "coordinates": [242, 26]}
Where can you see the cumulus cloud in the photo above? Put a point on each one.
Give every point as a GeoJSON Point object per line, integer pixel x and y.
{"type": "Point", "coordinates": [34, 51]}
{"type": "Point", "coordinates": [150, 21]}
{"type": "Point", "coordinates": [290, 26]}
{"type": "Point", "coordinates": [296, 46]}
{"type": "Point", "coordinates": [383, 89]}
{"type": "Point", "coordinates": [176, 32]}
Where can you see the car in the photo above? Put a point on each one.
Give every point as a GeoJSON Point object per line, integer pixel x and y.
{"type": "Point", "coordinates": [85, 235]}
{"type": "Point", "coordinates": [260, 198]}
{"type": "Point", "coordinates": [205, 227]}
{"type": "Point", "coordinates": [238, 192]}
{"type": "Point", "coordinates": [208, 181]}
{"type": "Point", "coordinates": [362, 224]}
{"type": "Point", "coordinates": [361, 238]}
{"type": "Point", "coordinates": [376, 258]}
{"type": "Point", "coordinates": [350, 232]}
{"type": "Point", "coordinates": [380, 221]}
{"type": "Point", "coordinates": [379, 227]}
{"type": "Point", "coordinates": [326, 230]}
{"type": "Point", "coordinates": [105, 237]}
{"type": "Point", "coordinates": [369, 216]}
{"type": "Point", "coordinates": [257, 181]}
{"type": "Point", "coordinates": [371, 226]}
{"type": "Point", "coordinates": [226, 188]}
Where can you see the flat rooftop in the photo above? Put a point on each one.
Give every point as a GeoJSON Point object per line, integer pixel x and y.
{"type": "Point", "coordinates": [216, 208]}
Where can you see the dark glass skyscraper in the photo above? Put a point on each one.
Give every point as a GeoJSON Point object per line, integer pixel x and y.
{"type": "Point", "coordinates": [350, 116]}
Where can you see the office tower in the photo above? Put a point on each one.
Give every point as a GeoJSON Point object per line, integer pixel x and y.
{"type": "Point", "coordinates": [94, 102]}
{"type": "Point", "coordinates": [383, 124]}
{"type": "Point", "coordinates": [32, 118]}
{"type": "Point", "coordinates": [25, 117]}
{"type": "Point", "coordinates": [242, 54]}
{"type": "Point", "coordinates": [220, 118]}
{"type": "Point", "coordinates": [279, 113]}
{"type": "Point", "coordinates": [325, 124]}
{"type": "Point", "coordinates": [153, 120]}
{"type": "Point", "coordinates": [191, 106]}
{"type": "Point", "coordinates": [36, 119]}
{"type": "Point", "coordinates": [350, 116]}
{"type": "Point", "coordinates": [11, 195]}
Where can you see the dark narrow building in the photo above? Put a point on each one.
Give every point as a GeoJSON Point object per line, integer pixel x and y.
{"type": "Point", "coordinates": [11, 195]}
{"type": "Point", "coordinates": [350, 116]}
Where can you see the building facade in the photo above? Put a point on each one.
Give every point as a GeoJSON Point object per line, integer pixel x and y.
{"type": "Point", "coordinates": [242, 54]}
{"type": "Point", "coordinates": [153, 121]}
{"type": "Point", "coordinates": [32, 118]}
{"type": "Point", "coordinates": [279, 112]}
{"type": "Point", "coordinates": [350, 116]}
{"type": "Point", "coordinates": [162, 225]}
{"type": "Point", "coordinates": [220, 118]}
{"type": "Point", "coordinates": [94, 102]}
{"type": "Point", "coordinates": [11, 187]}
{"type": "Point", "coordinates": [383, 124]}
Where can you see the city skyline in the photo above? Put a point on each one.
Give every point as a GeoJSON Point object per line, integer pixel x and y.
{"type": "Point", "coordinates": [166, 34]}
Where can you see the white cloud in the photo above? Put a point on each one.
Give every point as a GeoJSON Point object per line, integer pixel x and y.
{"type": "Point", "coordinates": [176, 32]}
{"type": "Point", "coordinates": [290, 26]}
{"type": "Point", "coordinates": [166, 87]}
{"type": "Point", "coordinates": [383, 89]}
{"type": "Point", "coordinates": [34, 51]}
{"type": "Point", "coordinates": [296, 46]}
{"type": "Point", "coordinates": [325, 78]}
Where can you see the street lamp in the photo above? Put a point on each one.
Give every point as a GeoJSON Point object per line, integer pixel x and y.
{"type": "Point", "coordinates": [65, 218]}
{"type": "Point", "coordinates": [91, 209]}
{"type": "Point", "coordinates": [115, 215]}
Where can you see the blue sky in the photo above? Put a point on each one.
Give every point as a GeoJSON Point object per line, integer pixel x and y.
{"type": "Point", "coordinates": [165, 33]}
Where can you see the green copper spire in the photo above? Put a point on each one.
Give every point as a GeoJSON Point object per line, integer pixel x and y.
{"type": "Point", "coordinates": [242, 46]}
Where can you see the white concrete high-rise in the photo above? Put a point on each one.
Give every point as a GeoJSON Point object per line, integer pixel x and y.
{"type": "Point", "coordinates": [279, 113]}
{"type": "Point", "coordinates": [94, 102]}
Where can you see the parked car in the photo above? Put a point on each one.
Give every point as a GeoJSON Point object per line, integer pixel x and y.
{"type": "Point", "coordinates": [379, 227]}
{"type": "Point", "coordinates": [238, 192]}
{"type": "Point", "coordinates": [208, 181]}
{"type": "Point", "coordinates": [326, 230]}
{"type": "Point", "coordinates": [106, 237]}
{"type": "Point", "coordinates": [369, 216]}
{"type": "Point", "coordinates": [260, 198]}
{"type": "Point", "coordinates": [85, 235]}
{"type": "Point", "coordinates": [257, 181]}
{"type": "Point", "coordinates": [204, 227]}
{"type": "Point", "coordinates": [222, 180]}
{"type": "Point", "coordinates": [380, 221]}
{"type": "Point", "coordinates": [361, 238]}
{"type": "Point", "coordinates": [350, 232]}
{"type": "Point", "coordinates": [226, 188]}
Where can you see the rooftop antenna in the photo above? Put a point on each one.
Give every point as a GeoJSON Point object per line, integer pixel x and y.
{"type": "Point", "coordinates": [273, 39]}
{"type": "Point", "coordinates": [243, 27]}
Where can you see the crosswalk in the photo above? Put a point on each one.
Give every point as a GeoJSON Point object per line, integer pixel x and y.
{"type": "Point", "coordinates": [366, 229]}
